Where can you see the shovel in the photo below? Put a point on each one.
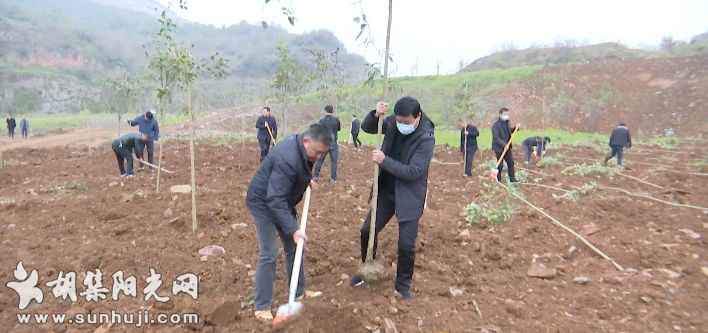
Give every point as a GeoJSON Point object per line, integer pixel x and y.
{"type": "Point", "coordinates": [370, 270]}
{"type": "Point", "coordinates": [495, 171]}
{"type": "Point", "coordinates": [272, 138]}
{"type": "Point", "coordinates": [292, 309]}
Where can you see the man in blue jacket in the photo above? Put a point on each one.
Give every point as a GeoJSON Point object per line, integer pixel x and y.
{"type": "Point", "coordinates": [537, 142]}
{"type": "Point", "coordinates": [619, 139]}
{"type": "Point", "coordinates": [471, 133]}
{"type": "Point", "coordinates": [266, 126]}
{"type": "Point", "coordinates": [275, 190]}
{"type": "Point", "coordinates": [334, 126]}
{"type": "Point", "coordinates": [147, 124]}
{"type": "Point", "coordinates": [404, 161]}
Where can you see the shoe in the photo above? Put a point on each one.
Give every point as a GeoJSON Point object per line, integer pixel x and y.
{"type": "Point", "coordinates": [404, 295]}
{"type": "Point", "coordinates": [357, 281]}
{"type": "Point", "coordinates": [513, 180]}
{"type": "Point", "coordinates": [263, 315]}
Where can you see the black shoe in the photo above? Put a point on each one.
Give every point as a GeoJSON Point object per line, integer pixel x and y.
{"type": "Point", "coordinates": [357, 281]}
{"type": "Point", "coordinates": [406, 295]}
{"type": "Point", "coordinates": [513, 180]}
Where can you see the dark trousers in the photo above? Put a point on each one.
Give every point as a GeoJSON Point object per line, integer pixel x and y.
{"type": "Point", "coordinates": [616, 151]}
{"type": "Point", "coordinates": [264, 145]}
{"type": "Point", "coordinates": [355, 138]}
{"type": "Point", "coordinates": [150, 146]}
{"type": "Point", "coordinates": [509, 159]}
{"type": "Point", "coordinates": [24, 133]}
{"type": "Point", "coordinates": [333, 157]}
{"type": "Point", "coordinates": [407, 234]}
{"type": "Point", "coordinates": [470, 158]}
{"type": "Point", "coordinates": [267, 234]}
{"type": "Point", "coordinates": [11, 132]}
{"type": "Point", "coordinates": [123, 156]}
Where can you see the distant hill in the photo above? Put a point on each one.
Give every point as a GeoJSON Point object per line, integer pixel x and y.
{"type": "Point", "coordinates": [555, 56]}
{"type": "Point", "coordinates": [53, 51]}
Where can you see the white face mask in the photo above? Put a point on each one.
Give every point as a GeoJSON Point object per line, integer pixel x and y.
{"type": "Point", "coordinates": [504, 116]}
{"type": "Point", "coordinates": [405, 129]}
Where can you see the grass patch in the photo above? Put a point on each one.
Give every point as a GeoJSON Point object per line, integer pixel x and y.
{"type": "Point", "coordinates": [43, 122]}
{"type": "Point", "coordinates": [588, 170]}
{"type": "Point", "coordinates": [494, 206]}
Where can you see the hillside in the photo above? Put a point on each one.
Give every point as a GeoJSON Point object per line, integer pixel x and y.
{"type": "Point", "coordinates": [75, 43]}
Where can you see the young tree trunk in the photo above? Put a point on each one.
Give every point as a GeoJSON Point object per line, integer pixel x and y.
{"type": "Point", "coordinates": [191, 155]}
{"type": "Point", "coordinates": [161, 112]}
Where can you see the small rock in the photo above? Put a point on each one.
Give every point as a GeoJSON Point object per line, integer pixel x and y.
{"type": "Point", "coordinates": [539, 270]}
{"type": "Point", "coordinates": [489, 329]}
{"type": "Point", "coordinates": [167, 213]}
{"type": "Point", "coordinates": [705, 225]}
{"type": "Point", "coordinates": [464, 234]}
{"type": "Point", "coordinates": [690, 233]}
{"type": "Point", "coordinates": [670, 273]}
{"type": "Point", "coordinates": [251, 273]}
{"type": "Point", "coordinates": [455, 292]}
{"type": "Point", "coordinates": [344, 277]}
{"type": "Point", "coordinates": [112, 184]}
{"type": "Point", "coordinates": [11, 226]}
{"type": "Point", "coordinates": [613, 279]}
{"type": "Point", "coordinates": [203, 258]}
{"type": "Point", "coordinates": [312, 294]}
{"type": "Point", "coordinates": [238, 225]}
{"type": "Point", "coordinates": [212, 250]}
{"type": "Point", "coordinates": [393, 310]}
{"type": "Point", "coordinates": [646, 299]}
{"type": "Point", "coordinates": [582, 280]}
{"type": "Point", "coordinates": [705, 271]}
{"type": "Point", "coordinates": [181, 189]}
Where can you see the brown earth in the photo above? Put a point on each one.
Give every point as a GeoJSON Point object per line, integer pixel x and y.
{"type": "Point", "coordinates": [65, 209]}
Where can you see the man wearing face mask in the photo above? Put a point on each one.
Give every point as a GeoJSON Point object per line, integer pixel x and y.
{"type": "Point", "coordinates": [404, 160]}
{"type": "Point", "coordinates": [275, 190]}
{"type": "Point", "coordinates": [501, 134]}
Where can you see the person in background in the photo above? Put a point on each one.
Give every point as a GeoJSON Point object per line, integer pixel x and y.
{"type": "Point", "coordinates": [124, 147]}
{"type": "Point", "coordinates": [276, 188]}
{"type": "Point", "coordinates": [404, 162]}
{"type": "Point", "coordinates": [267, 131]}
{"type": "Point", "coordinates": [334, 126]}
{"type": "Point", "coordinates": [619, 139]}
{"type": "Point", "coordinates": [11, 124]}
{"type": "Point", "coordinates": [470, 133]}
{"type": "Point", "coordinates": [147, 124]}
{"type": "Point", "coordinates": [537, 142]}
{"type": "Point", "coordinates": [24, 128]}
{"type": "Point", "coordinates": [501, 135]}
{"type": "Point", "coordinates": [356, 125]}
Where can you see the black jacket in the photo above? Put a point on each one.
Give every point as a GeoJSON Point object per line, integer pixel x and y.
{"type": "Point", "coordinates": [281, 181]}
{"type": "Point", "coordinates": [534, 141]}
{"type": "Point", "coordinates": [411, 172]}
{"type": "Point", "coordinates": [127, 142]}
{"type": "Point", "coordinates": [332, 123]}
{"type": "Point", "coordinates": [501, 133]}
{"type": "Point", "coordinates": [263, 134]}
{"type": "Point", "coordinates": [620, 137]}
{"type": "Point", "coordinates": [356, 125]}
{"type": "Point", "coordinates": [472, 134]}
{"type": "Point", "coordinates": [11, 123]}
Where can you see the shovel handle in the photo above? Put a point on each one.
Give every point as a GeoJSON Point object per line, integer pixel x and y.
{"type": "Point", "coordinates": [272, 138]}
{"type": "Point", "coordinates": [506, 148]}
{"type": "Point", "coordinates": [295, 276]}
{"type": "Point", "coordinates": [374, 198]}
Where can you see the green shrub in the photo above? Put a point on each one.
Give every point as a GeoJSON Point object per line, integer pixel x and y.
{"type": "Point", "coordinates": [588, 170]}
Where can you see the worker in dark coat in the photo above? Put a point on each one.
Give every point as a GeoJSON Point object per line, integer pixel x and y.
{"type": "Point", "coordinates": [267, 131]}
{"type": "Point", "coordinates": [124, 147]}
{"type": "Point", "coordinates": [277, 187]}
{"type": "Point", "coordinates": [470, 133]}
{"type": "Point", "coordinates": [331, 122]}
{"type": "Point", "coordinates": [501, 135]}
{"type": "Point", "coordinates": [535, 142]}
{"type": "Point", "coordinates": [619, 139]}
{"type": "Point", "coordinates": [404, 161]}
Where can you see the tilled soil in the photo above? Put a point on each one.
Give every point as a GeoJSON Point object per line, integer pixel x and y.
{"type": "Point", "coordinates": [64, 210]}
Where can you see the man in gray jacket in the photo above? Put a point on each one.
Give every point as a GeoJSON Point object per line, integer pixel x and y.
{"type": "Point", "coordinates": [404, 161]}
{"type": "Point", "coordinates": [619, 139]}
{"type": "Point", "coordinates": [275, 190]}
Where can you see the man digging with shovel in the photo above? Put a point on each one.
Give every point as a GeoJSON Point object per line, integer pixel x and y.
{"type": "Point", "coordinates": [275, 190]}
{"type": "Point", "coordinates": [403, 160]}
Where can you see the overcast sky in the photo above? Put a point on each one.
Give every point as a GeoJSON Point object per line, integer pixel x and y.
{"type": "Point", "coordinates": [426, 32]}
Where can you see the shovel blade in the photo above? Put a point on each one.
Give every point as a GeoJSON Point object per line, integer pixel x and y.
{"type": "Point", "coordinates": [287, 312]}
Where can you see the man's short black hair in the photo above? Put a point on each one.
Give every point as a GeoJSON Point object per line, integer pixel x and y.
{"type": "Point", "coordinates": [319, 133]}
{"type": "Point", "coordinates": [148, 115]}
{"type": "Point", "coordinates": [329, 108]}
{"type": "Point", "coordinates": [407, 106]}
{"type": "Point", "coordinates": [353, 116]}
{"type": "Point", "coordinates": [547, 139]}
{"type": "Point", "coordinates": [502, 110]}
{"type": "Point", "coordinates": [622, 124]}
{"type": "Point", "coordinates": [267, 108]}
